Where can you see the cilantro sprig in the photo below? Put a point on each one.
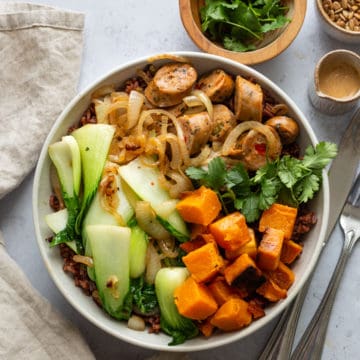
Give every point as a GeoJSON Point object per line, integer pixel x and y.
{"type": "Point", "coordinates": [287, 180]}
{"type": "Point", "coordinates": [237, 24]}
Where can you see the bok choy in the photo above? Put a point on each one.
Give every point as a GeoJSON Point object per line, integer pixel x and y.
{"type": "Point", "coordinates": [65, 155]}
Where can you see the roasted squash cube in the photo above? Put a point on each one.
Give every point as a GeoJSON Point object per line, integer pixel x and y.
{"type": "Point", "coordinates": [221, 290]}
{"type": "Point", "coordinates": [204, 263]}
{"type": "Point", "coordinates": [290, 251]}
{"type": "Point", "coordinates": [269, 250]}
{"type": "Point", "coordinates": [244, 273]}
{"type": "Point", "coordinates": [200, 206]}
{"type": "Point", "coordinates": [270, 291]}
{"type": "Point", "coordinates": [231, 231]}
{"type": "Point", "coordinates": [280, 217]}
{"type": "Point", "coordinates": [282, 276]}
{"type": "Point", "coordinates": [194, 300]}
{"type": "Point", "coordinates": [232, 315]}
{"type": "Point", "coordinates": [249, 248]}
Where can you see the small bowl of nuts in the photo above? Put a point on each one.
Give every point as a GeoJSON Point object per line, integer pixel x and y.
{"type": "Point", "coordinates": [340, 19]}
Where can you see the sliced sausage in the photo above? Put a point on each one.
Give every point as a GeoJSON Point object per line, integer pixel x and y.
{"type": "Point", "coordinates": [252, 149]}
{"type": "Point", "coordinates": [175, 78]}
{"type": "Point", "coordinates": [159, 99]}
{"type": "Point", "coordinates": [248, 100]}
{"type": "Point", "coordinates": [223, 121]}
{"type": "Point", "coordinates": [287, 128]}
{"type": "Point", "coordinates": [197, 129]}
{"type": "Point", "coordinates": [217, 85]}
{"type": "Point", "coordinates": [170, 84]}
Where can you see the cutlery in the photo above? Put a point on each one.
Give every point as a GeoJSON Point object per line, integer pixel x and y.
{"type": "Point", "coordinates": [312, 342]}
{"type": "Point", "coordinates": [341, 176]}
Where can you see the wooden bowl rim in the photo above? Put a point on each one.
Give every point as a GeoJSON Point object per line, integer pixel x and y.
{"type": "Point", "coordinates": [257, 56]}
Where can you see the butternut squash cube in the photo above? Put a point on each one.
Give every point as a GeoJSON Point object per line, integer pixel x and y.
{"type": "Point", "coordinates": [244, 273]}
{"type": "Point", "coordinates": [194, 300]}
{"type": "Point", "coordinates": [290, 251]}
{"type": "Point", "coordinates": [280, 217]}
{"type": "Point", "coordinates": [232, 315]}
{"type": "Point", "coordinates": [249, 248]}
{"type": "Point", "coordinates": [282, 276]}
{"type": "Point", "coordinates": [204, 263]}
{"type": "Point", "coordinates": [206, 327]}
{"type": "Point", "coordinates": [200, 206]}
{"type": "Point", "coordinates": [269, 250]}
{"type": "Point", "coordinates": [221, 290]}
{"type": "Point", "coordinates": [269, 290]}
{"type": "Point", "coordinates": [231, 231]}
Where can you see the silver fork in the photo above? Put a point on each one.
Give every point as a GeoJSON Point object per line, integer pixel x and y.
{"type": "Point", "coordinates": [311, 343]}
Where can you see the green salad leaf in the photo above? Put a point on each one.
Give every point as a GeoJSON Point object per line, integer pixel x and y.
{"type": "Point", "coordinates": [238, 24]}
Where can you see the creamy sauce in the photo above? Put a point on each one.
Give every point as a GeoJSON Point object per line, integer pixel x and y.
{"type": "Point", "coordinates": [339, 80]}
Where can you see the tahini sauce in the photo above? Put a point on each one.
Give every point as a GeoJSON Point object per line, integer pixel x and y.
{"type": "Point", "coordinates": [339, 80]}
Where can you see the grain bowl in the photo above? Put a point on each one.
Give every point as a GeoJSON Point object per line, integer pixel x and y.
{"type": "Point", "coordinates": [42, 190]}
{"type": "Point", "coordinates": [271, 45]}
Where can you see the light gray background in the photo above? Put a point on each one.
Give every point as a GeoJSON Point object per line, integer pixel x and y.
{"type": "Point", "coordinates": [117, 31]}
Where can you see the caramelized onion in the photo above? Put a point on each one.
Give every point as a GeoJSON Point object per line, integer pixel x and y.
{"type": "Point", "coordinates": [271, 139]}
{"type": "Point", "coordinates": [103, 91]}
{"type": "Point", "coordinates": [146, 219]}
{"type": "Point", "coordinates": [86, 260]}
{"type": "Point", "coordinates": [206, 101]}
{"type": "Point", "coordinates": [136, 101]}
{"type": "Point", "coordinates": [153, 263]}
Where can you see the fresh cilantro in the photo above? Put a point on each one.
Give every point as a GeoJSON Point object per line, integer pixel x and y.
{"type": "Point", "coordinates": [238, 24]}
{"type": "Point", "coordinates": [213, 178]}
{"type": "Point", "coordinates": [287, 180]}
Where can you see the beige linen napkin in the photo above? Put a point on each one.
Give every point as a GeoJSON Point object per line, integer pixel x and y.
{"type": "Point", "coordinates": [40, 56]}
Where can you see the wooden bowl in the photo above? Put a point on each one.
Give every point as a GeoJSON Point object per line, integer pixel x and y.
{"type": "Point", "coordinates": [335, 31]}
{"type": "Point", "coordinates": [271, 46]}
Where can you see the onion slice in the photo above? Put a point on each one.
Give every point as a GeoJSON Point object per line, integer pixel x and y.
{"type": "Point", "coordinates": [206, 101]}
{"type": "Point", "coordinates": [233, 136]}
{"type": "Point", "coordinates": [136, 101]}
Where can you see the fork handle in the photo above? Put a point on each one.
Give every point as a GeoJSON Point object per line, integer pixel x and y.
{"type": "Point", "coordinates": [311, 343]}
{"type": "Point", "coordinates": [280, 342]}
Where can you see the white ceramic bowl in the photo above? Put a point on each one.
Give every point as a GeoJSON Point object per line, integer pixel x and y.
{"type": "Point", "coordinates": [85, 305]}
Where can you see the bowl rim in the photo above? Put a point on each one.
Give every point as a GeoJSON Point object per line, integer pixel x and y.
{"type": "Point", "coordinates": [231, 337]}
{"type": "Point", "coordinates": [273, 49]}
{"type": "Point", "coordinates": [325, 16]}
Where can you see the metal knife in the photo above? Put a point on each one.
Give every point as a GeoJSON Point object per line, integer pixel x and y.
{"type": "Point", "coordinates": [343, 170]}
{"type": "Point", "coordinates": [341, 176]}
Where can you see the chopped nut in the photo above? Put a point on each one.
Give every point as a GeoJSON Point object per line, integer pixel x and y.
{"type": "Point", "coordinates": [344, 13]}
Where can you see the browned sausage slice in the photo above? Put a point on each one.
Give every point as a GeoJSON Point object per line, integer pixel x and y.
{"type": "Point", "coordinates": [197, 129]}
{"type": "Point", "coordinates": [175, 78]}
{"type": "Point", "coordinates": [217, 85]}
{"type": "Point", "coordinates": [248, 100]}
{"type": "Point", "coordinates": [171, 83]}
{"type": "Point", "coordinates": [160, 99]}
{"type": "Point", "coordinates": [224, 120]}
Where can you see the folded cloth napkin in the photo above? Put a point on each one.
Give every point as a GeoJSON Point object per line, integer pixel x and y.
{"type": "Point", "coordinates": [40, 56]}
{"type": "Point", "coordinates": [30, 328]}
